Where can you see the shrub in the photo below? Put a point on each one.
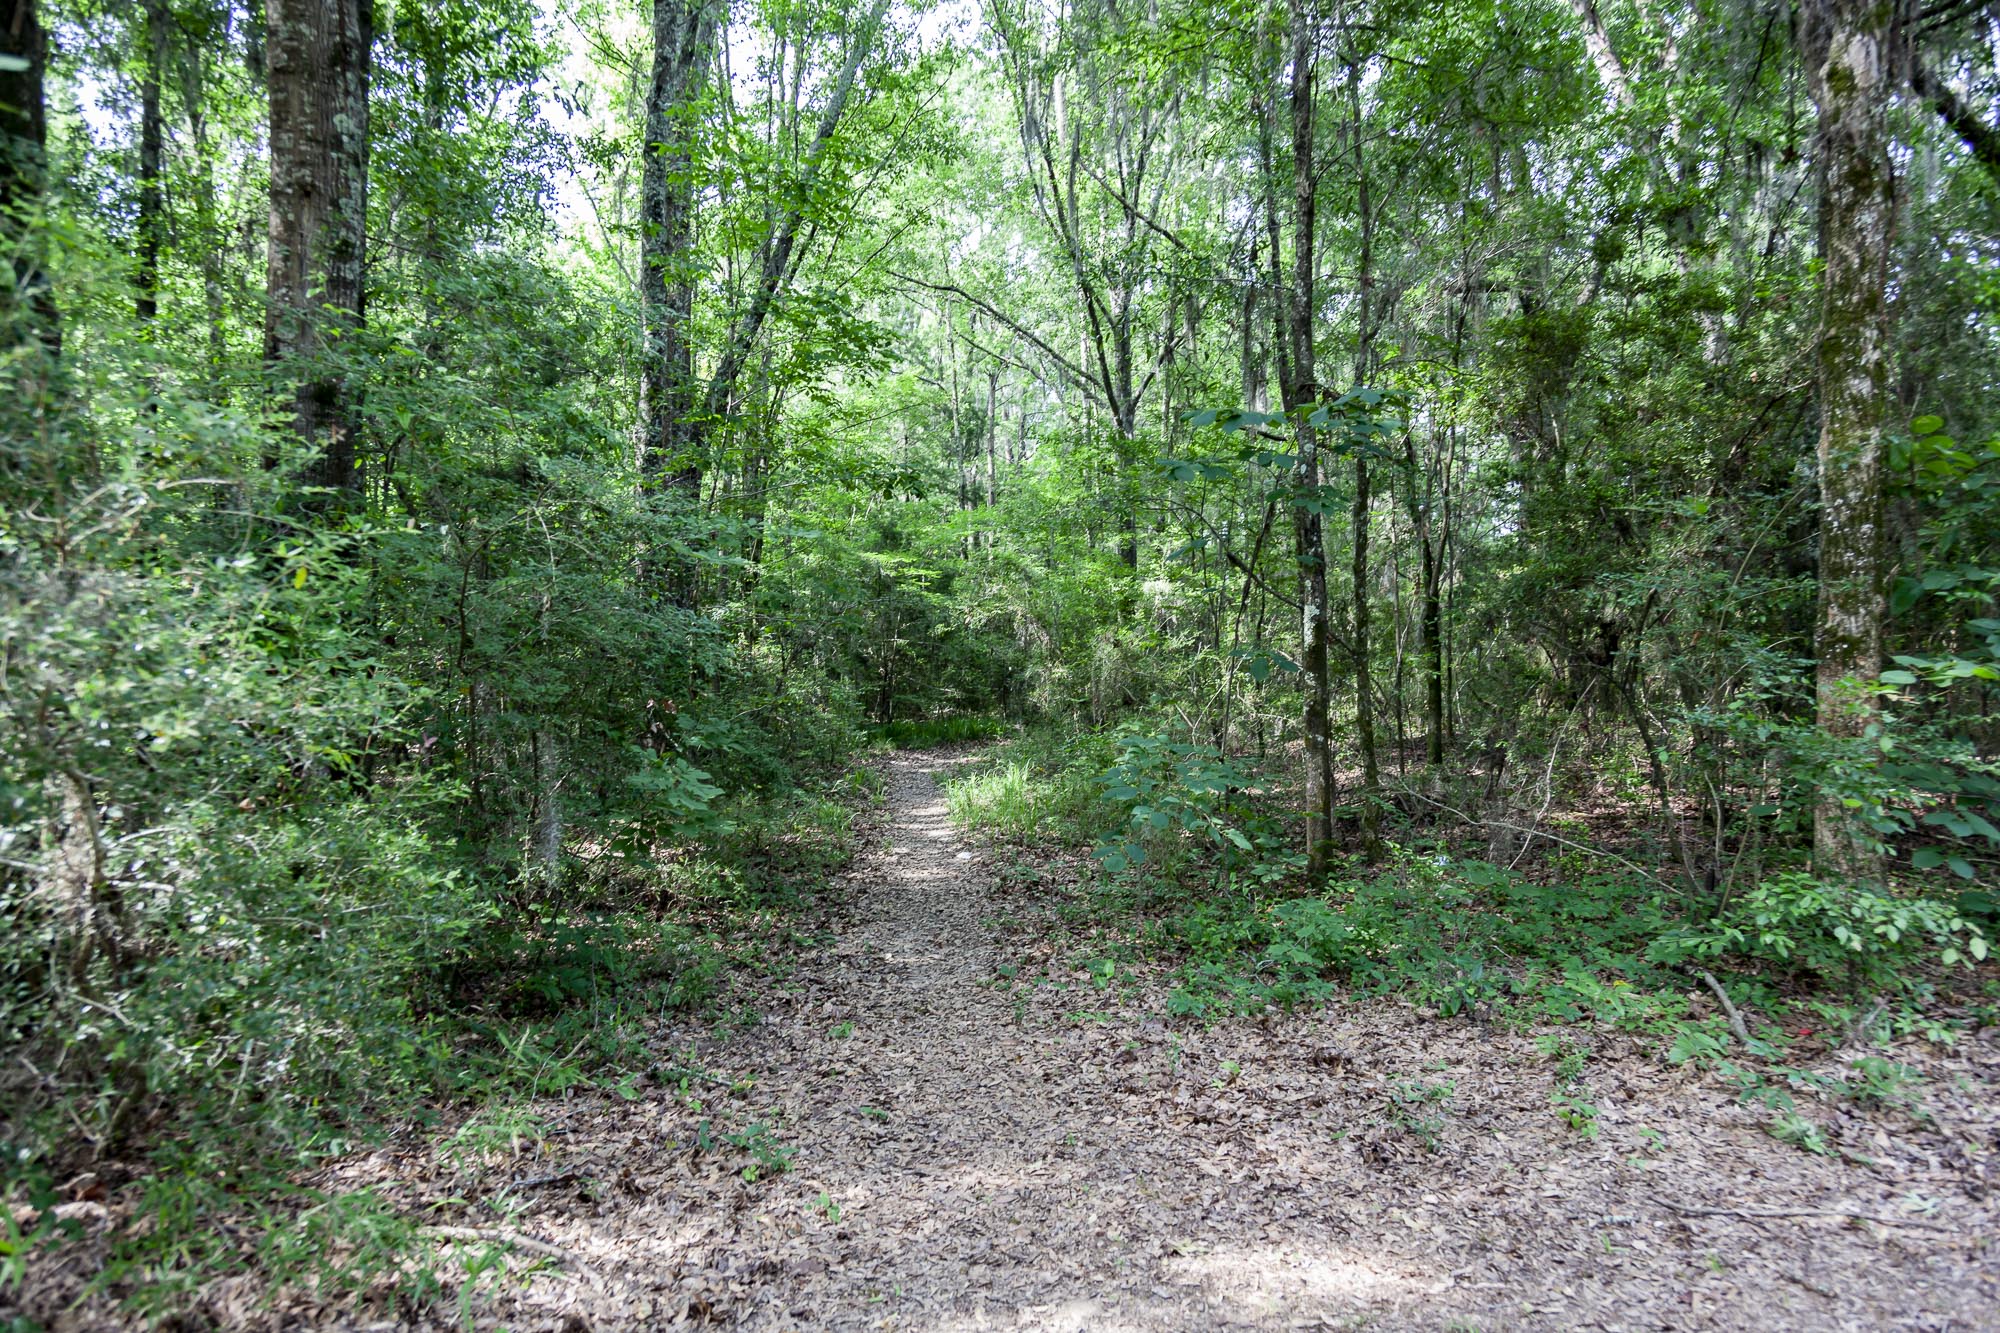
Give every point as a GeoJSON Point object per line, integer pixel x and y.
{"type": "Point", "coordinates": [1865, 938]}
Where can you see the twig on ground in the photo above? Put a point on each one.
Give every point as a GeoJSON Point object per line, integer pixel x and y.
{"type": "Point", "coordinates": [501, 1236]}
{"type": "Point", "coordinates": [1728, 1006]}
{"type": "Point", "coordinates": [538, 1182]}
{"type": "Point", "coordinates": [1751, 1214]}
{"type": "Point", "coordinates": [1857, 1031]}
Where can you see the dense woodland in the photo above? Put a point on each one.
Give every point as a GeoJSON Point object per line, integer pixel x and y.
{"type": "Point", "coordinates": [1494, 502]}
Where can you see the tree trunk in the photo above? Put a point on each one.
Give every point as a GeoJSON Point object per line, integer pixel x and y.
{"type": "Point", "coordinates": [683, 42]}
{"type": "Point", "coordinates": [152, 201]}
{"type": "Point", "coordinates": [1433, 650]}
{"type": "Point", "coordinates": [676, 414]}
{"type": "Point", "coordinates": [545, 848]}
{"type": "Point", "coordinates": [208, 243]}
{"type": "Point", "coordinates": [23, 169]}
{"type": "Point", "coordinates": [1846, 49]}
{"type": "Point", "coordinates": [1364, 696]}
{"type": "Point", "coordinates": [992, 450]}
{"type": "Point", "coordinates": [316, 62]}
{"type": "Point", "coordinates": [1308, 527]}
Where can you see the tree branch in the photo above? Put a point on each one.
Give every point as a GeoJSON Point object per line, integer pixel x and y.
{"type": "Point", "coordinates": [1979, 138]}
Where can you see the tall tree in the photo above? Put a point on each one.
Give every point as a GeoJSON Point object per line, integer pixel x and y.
{"type": "Point", "coordinates": [316, 67]}
{"type": "Point", "coordinates": [677, 414]}
{"type": "Point", "coordinates": [683, 40]}
{"type": "Point", "coordinates": [1368, 317]}
{"type": "Point", "coordinates": [152, 142]}
{"type": "Point", "coordinates": [1299, 389]}
{"type": "Point", "coordinates": [23, 165]}
{"type": "Point", "coordinates": [1847, 57]}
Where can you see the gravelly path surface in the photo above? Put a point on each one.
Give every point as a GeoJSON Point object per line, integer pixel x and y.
{"type": "Point", "coordinates": [966, 1155]}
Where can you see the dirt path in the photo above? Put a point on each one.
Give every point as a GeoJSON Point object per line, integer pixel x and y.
{"type": "Point", "coordinates": [966, 1155]}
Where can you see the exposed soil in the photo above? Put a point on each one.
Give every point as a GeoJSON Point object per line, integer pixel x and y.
{"type": "Point", "coordinates": [971, 1154]}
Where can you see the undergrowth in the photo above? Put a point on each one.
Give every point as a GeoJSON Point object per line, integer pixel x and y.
{"type": "Point", "coordinates": [1039, 786]}
{"type": "Point", "coordinates": [556, 989]}
{"type": "Point", "coordinates": [920, 733]}
{"type": "Point", "coordinates": [1195, 877]}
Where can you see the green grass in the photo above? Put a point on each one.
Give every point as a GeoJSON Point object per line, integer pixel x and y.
{"type": "Point", "coordinates": [920, 733]}
{"type": "Point", "coordinates": [1038, 787]}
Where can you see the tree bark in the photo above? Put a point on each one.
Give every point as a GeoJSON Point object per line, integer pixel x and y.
{"type": "Point", "coordinates": [1301, 390]}
{"type": "Point", "coordinates": [992, 450]}
{"type": "Point", "coordinates": [675, 413]}
{"type": "Point", "coordinates": [1433, 653]}
{"type": "Point", "coordinates": [1364, 695]}
{"type": "Point", "coordinates": [683, 43]}
{"type": "Point", "coordinates": [317, 64]}
{"type": "Point", "coordinates": [23, 174]}
{"type": "Point", "coordinates": [152, 199]}
{"type": "Point", "coordinates": [194, 100]}
{"type": "Point", "coordinates": [1846, 49]}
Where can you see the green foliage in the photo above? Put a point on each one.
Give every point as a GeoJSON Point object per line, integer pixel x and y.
{"type": "Point", "coordinates": [1417, 1109]}
{"type": "Point", "coordinates": [674, 800]}
{"type": "Point", "coordinates": [1033, 787]}
{"type": "Point", "coordinates": [318, 805]}
{"type": "Point", "coordinates": [1164, 788]}
{"type": "Point", "coordinates": [1867, 938]}
{"type": "Point", "coordinates": [923, 733]}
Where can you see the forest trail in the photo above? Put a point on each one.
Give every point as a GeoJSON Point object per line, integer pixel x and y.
{"type": "Point", "coordinates": [964, 1158]}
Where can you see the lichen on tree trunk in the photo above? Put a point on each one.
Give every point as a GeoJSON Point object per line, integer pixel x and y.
{"type": "Point", "coordinates": [1847, 57]}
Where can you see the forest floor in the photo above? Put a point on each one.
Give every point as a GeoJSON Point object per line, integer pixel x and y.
{"type": "Point", "coordinates": [965, 1153]}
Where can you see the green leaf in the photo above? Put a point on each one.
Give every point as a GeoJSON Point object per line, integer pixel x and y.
{"type": "Point", "coordinates": [1926, 425]}
{"type": "Point", "coordinates": [1927, 858]}
{"type": "Point", "coordinates": [1959, 866]}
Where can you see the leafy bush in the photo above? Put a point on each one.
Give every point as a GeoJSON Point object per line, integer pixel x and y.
{"type": "Point", "coordinates": [1866, 938]}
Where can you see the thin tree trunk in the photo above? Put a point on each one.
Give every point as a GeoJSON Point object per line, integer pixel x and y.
{"type": "Point", "coordinates": [1364, 698]}
{"type": "Point", "coordinates": [992, 450]}
{"type": "Point", "coordinates": [1308, 527]}
{"type": "Point", "coordinates": [317, 58]}
{"type": "Point", "coordinates": [547, 843]}
{"type": "Point", "coordinates": [1847, 56]}
{"type": "Point", "coordinates": [1433, 644]}
{"type": "Point", "coordinates": [194, 97]}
